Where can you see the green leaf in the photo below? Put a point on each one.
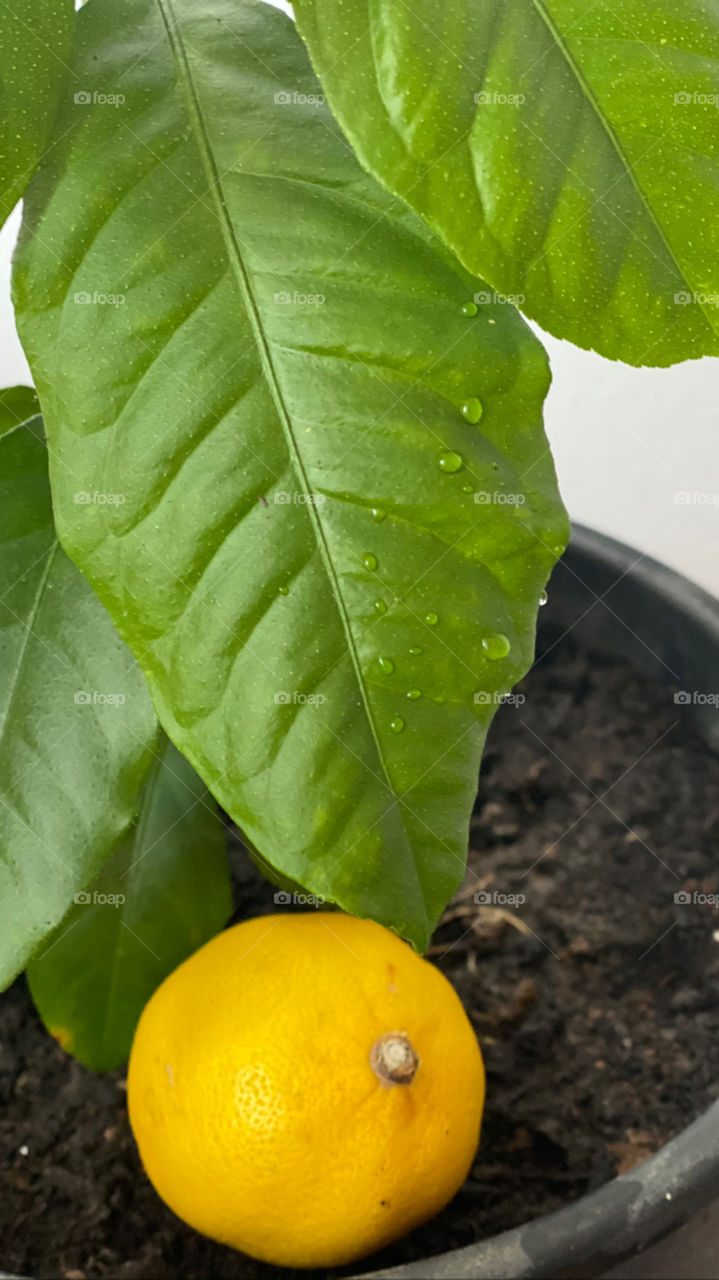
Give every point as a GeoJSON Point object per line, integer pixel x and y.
{"type": "Point", "coordinates": [290, 357]}
{"type": "Point", "coordinates": [17, 405]}
{"type": "Point", "coordinates": [162, 894]}
{"type": "Point", "coordinates": [35, 53]}
{"type": "Point", "coordinates": [76, 722]}
{"type": "Point", "coordinates": [568, 151]}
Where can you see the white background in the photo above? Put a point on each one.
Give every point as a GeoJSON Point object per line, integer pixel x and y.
{"type": "Point", "coordinates": [625, 442]}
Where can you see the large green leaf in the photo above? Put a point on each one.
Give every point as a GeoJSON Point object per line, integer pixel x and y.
{"type": "Point", "coordinates": [566, 150]}
{"type": "Point", "coordinates": [17, 404]}
{"type": "Point", "coordinates": [162, 893]}
{"type": "Point", "coordinates": [312, 590]}
{"type": "Point", "coordinates": [35, 51]}
{"type": "Point", "coordinates": [76, 723]}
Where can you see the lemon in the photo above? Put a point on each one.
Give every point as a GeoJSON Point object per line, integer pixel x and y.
{"type": "Point", "coordinates": [306, 1088]}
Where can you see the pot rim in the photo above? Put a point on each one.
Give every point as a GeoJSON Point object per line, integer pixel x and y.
{"type": "Point", "coordinates": [637, 1209]}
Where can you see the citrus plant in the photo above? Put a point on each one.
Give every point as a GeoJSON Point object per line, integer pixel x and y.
{"type": "Point", "coordinates": [279, 538]}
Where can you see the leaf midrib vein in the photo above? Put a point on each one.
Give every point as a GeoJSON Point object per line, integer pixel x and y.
{"type": "Point", "coordinates": [177, 47]}
{"type": "Point", "coordinates": [593, 102]}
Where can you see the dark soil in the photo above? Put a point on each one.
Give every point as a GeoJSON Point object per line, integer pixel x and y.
{"type": "Point", "coordinates": [595, 998]}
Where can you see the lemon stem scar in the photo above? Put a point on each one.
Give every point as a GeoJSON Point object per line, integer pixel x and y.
{"type": "Point", "coordinates": [393, 1059]}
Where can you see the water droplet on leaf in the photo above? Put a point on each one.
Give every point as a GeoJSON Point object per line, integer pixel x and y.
{"type": "Point", "coordinates": [387, 665]}
{"type": "Point", "coordinates": [380, 606]}
{"type": "Point", "coordinates": [431, 619]}
{"type": "Point", "coordinates": [378, 514]}
{"type": "Point", "coordinates": [397, 725]}
{"type": "Point", "coordinates": [413, 694]}
{"type": "Point", "coordinates": [369, 561]}
{"type": "Point", "coordinates": [471, 409]}
{"type": "Point", "coordinates": [543, 599]}
{"type": "Point", "coordinates": [495, 646]}
{"type": "Point", "coordinates": [450, 462]}
{"type": "Point", "coordinates": [470, 309]}
{"type": "Point", "coordinates": [284, 591]}
{"type": "Point", "coordinates": [415, 650]}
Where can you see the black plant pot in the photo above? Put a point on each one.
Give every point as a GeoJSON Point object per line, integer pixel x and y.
{"type": "Point", "coordinates": [616, 602]}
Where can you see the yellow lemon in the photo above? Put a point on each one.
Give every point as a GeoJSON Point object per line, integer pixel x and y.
{"type": "Point", "coordinates": [306, 1088]}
